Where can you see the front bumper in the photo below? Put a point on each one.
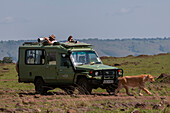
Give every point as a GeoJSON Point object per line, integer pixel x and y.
{"type": "Point", "coordinates": [96, 83]}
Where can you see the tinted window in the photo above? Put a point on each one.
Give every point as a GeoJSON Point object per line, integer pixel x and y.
{"type": "Point", "coordinates": [35, 57]}
{"type": "Point", "coordinates": [51, 58]}
{"type": "Point", "coordinates": [65, 60]}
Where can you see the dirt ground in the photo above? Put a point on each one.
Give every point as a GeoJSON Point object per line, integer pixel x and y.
{"type": "Point", "coordinates": [59, 101]}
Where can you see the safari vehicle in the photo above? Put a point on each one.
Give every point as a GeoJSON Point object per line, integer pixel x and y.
{"type": "Point", "coordinates": [65, 65]}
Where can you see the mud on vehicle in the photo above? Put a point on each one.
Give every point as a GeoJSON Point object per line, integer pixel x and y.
{"type": "Point", "coordinates": [66, 66]}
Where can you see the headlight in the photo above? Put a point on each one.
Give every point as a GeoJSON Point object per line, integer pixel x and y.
{"type": "Point", "coordinates": [91, 73]}
{"type": "Point", "coordinates": [120, 72]}
{"type": "Point", "coordinates": [96, 73]}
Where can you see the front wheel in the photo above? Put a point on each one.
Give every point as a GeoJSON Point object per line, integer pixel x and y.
{"type": "Point", "coordinates": [84, 86]}
{"type": "Point", "coordinates": [69, 90]}
{"type": "Point", "coordinates": [39, 86]}
{"type": "Point", "coordinates": [111, 89]}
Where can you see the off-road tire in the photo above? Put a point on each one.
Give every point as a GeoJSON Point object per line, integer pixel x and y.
{"type": "Point", "coordinates": [39, 86]}
{"type": "Point", "coordinates": [84, 86]}
{"type": "Point", "coordinates": [69, 90]}
{"type": "Point", "coordinates": [111, 89]}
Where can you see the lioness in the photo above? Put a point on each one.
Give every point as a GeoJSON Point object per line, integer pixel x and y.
{"type": "Point", "coordinates": [134, 81]}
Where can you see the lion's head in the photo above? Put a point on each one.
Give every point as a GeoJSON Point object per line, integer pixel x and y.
{"type": "Point", "coordinates": [149, 78]}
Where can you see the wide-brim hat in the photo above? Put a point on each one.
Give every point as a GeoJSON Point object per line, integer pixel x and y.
{"type": "Point", "coordinates": [52, 36]}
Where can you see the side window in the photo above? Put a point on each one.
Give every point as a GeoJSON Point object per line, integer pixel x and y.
{"type": "Point", "coordinates": [51, 58]}
{"type": "Point", "coordinates": [35, 57]}
{"type": "Point", "coordinates": [65, 60]}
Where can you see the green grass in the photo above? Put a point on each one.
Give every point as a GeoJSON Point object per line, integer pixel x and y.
{"type": "Point", "coordinates": [8, 74]}
{"type": "Point", "coordinates": [154, 65]}
{"type": "Point", "coordinates": [9, 79]}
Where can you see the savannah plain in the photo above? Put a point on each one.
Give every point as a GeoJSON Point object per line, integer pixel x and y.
{"type": "Point", "coordinates": [20, 97]}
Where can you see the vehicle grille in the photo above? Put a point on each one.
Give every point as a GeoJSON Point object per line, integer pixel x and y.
{"type": "Point", "coordinates": [109, 74]}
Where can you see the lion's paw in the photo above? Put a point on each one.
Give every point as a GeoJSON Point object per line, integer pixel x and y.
{"type": "Point", "coordinates": [149, 93]}
{"type": "Point", "coordinates": [140, 94]}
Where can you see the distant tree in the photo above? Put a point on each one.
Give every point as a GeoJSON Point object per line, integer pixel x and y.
{"type": "Point", "coordinates": [7, 60]}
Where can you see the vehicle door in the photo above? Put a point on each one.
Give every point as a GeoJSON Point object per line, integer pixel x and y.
{"type": "Point", "coordinates": [51, 66]}
{"type": "Point", "coordinates": [33, 65]}
{"type": "Point", "coordinates": [66, 72]}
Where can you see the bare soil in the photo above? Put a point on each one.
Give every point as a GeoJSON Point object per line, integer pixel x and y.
{"type": "Point", "coordinates": [16, 101]}
{"type": "Point", "coordinates": [28, 101]}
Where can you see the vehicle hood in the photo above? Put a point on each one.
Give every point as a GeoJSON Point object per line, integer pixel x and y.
{"type": "Point", "coordinates": [95, 67]}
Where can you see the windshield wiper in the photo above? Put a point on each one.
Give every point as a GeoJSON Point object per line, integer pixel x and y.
{"type": "Point", "coordinates": [97, 62]}
{"type": "Point", "coordinates": [79, 64]}
{"type": "Point", "coordinates": [83, 64]}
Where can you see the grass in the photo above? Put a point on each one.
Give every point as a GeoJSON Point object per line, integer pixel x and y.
{"type": "Point", "coordinates": [10, 79]}
{"type": "Point", "coordinates": [154, 65]}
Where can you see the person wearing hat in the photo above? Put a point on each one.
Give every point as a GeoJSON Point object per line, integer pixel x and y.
{"type": "Point", "coordinates": [70, 39]}
{"type": "Point", "coordinates": [51, 39]}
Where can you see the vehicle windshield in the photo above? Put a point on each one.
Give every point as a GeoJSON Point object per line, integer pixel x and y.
{"type": "Point", "coordinates": [85, 57]}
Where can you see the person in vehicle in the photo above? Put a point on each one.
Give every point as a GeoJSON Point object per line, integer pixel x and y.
{"type": "Point", "coordinates": [51, 39]}
{"type": "Point", "coordinates": [70, 39]}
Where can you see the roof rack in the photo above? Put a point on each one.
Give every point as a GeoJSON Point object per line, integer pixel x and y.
{"type": "Point", "coordinates": [56, 43]}
{"type": "Point", "coordinates": [67, 45]}
{"type": "Point", "coordinates": [31, 43]}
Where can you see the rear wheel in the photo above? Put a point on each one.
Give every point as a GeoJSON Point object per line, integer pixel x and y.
{"type": "Point", "coordinates": [39, 86]}
{"type": "Point", "coordinates": [84, 86]}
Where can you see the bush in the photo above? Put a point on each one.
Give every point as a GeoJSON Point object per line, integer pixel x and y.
{"type": "Point", "coordinates": [7, 60]}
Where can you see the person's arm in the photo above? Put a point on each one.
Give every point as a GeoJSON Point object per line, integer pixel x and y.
{"type": "Point", "coordinates": [46, 38]}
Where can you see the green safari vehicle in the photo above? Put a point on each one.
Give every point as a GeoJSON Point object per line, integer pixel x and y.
{"type": "Point", "coordinates": [68, 66]}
